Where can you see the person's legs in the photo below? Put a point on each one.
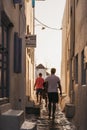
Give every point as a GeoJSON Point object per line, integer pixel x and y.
{"type": "Point", "coordinates": [49, 108]}
{"type": "Point", "coordinates": [40, 95]}
{"type": "Point", "coordinates": [54, 109]}
{"type": "Point", "coordinates": [50, 99]}
{"type": "Point", "coordinates": [37, 95]}
{"type": "Point", "coordinates": [55, 100]}
{"type": "Point", "coordinates": [40, 98]}
{"type": "Point", "coordinates": [45, 100]}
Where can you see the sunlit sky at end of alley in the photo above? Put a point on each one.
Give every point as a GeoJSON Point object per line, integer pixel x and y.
{"type": "Point", "coordinates": [49, 41]}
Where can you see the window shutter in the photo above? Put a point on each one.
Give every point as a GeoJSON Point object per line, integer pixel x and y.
{"type": "Point", "coordinates": [17, 53]}
{"type": "Point", "coordinates": [17, 1]}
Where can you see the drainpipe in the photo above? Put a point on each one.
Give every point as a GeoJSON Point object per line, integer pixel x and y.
{"type": "Point", "coordinates": [70, 107]}
{"type": "Point", "coordinates": [0, 18]}
{"type": "Point", "coordinates": [70, 58]}
{"type": "Point", "coordinates": [71, 92]}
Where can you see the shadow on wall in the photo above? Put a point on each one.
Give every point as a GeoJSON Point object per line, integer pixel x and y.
{"type": "Point", "coordinates": [65, 99]}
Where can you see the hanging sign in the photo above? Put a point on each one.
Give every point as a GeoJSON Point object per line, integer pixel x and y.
{"type": "Point", "coordinates": [33, 3]}
{"type": "Point", "coordinates": [30, 41]}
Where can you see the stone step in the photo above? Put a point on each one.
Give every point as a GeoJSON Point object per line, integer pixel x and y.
{"type": "Point", "coordinates": [5, 107]}
{"type": "Point", "coordinates": [33, 110]}
{"type": "Point", "coordinates": [11, 120]}
{"type": "Point", "coordinates": [4, 100]}
{"type": "Point", "coordinates": [27, 125]}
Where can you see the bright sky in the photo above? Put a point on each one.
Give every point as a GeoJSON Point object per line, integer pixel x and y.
{"type": "Point", "coordinates": [49, 41]}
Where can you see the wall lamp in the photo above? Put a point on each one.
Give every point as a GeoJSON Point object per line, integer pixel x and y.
{"type": "Point", "coordinates": [42, 27]}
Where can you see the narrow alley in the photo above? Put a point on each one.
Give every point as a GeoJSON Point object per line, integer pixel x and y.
{"type": "Point", "coordinates": [35, 36]}
{"type": "Point", "coordinates": [42, 122]}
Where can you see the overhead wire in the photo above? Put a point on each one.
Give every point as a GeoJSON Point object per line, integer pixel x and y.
{"type": "Point", "coordinates": [47, 25]}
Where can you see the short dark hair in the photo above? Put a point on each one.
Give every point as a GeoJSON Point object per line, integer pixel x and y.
{"type": "Point", "coordinates": [53, 70]}
{"type": "Point", "coordinates": [40, 74]}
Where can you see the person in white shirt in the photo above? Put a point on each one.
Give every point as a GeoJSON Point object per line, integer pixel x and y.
{"type": "Point", "coordinates": [52, 90]}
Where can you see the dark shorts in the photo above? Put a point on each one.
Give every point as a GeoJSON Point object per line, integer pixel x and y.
{"type": "Point", "coordinates": [53, 97]}
{"type": "Point", "coordinates": [39, 91]}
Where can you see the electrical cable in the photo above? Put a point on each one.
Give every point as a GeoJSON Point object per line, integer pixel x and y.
{"type": "Point", "coordinates": [47, 25]}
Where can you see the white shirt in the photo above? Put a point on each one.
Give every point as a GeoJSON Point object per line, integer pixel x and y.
{"type": "Point", "coordinates": [52, 83]}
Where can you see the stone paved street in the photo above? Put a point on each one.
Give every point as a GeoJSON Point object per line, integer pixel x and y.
{"type": "Point", "coordinates": [59, 123]}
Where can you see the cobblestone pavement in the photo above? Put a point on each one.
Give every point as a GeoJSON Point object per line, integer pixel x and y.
{"type": "Point", "coordinates": [59, 123]}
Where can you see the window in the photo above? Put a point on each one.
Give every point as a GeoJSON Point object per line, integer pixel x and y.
{"type": "Point", "coordinates": [17, 53]}
{"type": "Point", "coordinates": [6, 24]}
{"type": "Point", "coordinates": [83, 70]}
{"type": "Point", "coordinates": [4, 67]}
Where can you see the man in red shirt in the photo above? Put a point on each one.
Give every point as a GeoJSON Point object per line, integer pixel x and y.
{"type": "Point", "coordinates": [39, 86]}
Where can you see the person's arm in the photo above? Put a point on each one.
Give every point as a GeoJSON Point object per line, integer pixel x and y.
{"type": "Point", "coordinates": [60, 88]}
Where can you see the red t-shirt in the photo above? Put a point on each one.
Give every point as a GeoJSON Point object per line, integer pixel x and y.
{"type": "Point", "coordinates": [39, 82]}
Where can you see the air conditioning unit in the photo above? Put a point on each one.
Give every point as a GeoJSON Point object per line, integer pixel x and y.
{"type": "Point", "coordinates": [17, 1]}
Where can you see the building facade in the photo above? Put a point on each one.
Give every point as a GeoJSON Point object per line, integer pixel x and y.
{"type": "Point", "coordinates": [30, 39]}
{"type": "Point", "coordinates": [76, 30]}
{"type": "Point", "coordinates": [65, 75]}
{"type": "Point", "coordinates": [12, 52]}
{"type": "Point", "coordinates": [41, 69]}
